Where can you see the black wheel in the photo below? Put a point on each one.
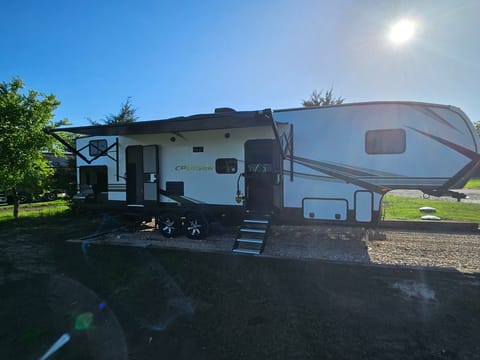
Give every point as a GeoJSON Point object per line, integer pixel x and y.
{"type": "Point", "coordinates": [22, 198]}
{"type": "Point", "coordinates": [196, 227]}
{"type": "Point", "coordinates": [51, 196]}
{"type": "Point", "coordinates": [168, 225]}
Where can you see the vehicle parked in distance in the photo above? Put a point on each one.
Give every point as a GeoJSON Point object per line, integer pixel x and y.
{"type": "Point", "coordinates": [6, 199]}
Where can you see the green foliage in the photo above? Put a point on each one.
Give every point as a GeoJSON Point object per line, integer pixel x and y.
{"type": "Point", "coordinates": [24, 115]}
{"type": "Point", "coordinates": [318, 99]}
{"type": "Point", "coordinates": [127, 114]}
{"type": "Point", "coordinates": [477, 126]}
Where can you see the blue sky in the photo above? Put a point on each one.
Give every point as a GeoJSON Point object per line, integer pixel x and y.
{"type": "Point", "coordinates": [187, 57]}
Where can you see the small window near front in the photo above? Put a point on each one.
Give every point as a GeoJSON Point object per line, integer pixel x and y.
{"type": "Point", "coordinates": [226, 166]}
{"type": "Point", "coordinates": [175, 188]}
{"type": "Point", "coordinates": [97, 147]}
{"type": "Point", "coordinates": [390, 141]}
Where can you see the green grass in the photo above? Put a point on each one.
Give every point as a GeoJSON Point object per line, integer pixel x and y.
{"type": "Point", "coordinates": [50, 221]}
{"type": "Point", "coordinates": [394, 207]}
{"type": "Point", "coordinates": [473, 183]}
{"type": "Point", "coordinates": [399, 208]}
{"type": "Point", "coordinates": [35, 210]}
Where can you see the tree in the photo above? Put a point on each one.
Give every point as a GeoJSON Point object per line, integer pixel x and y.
{"type": "Point", "coordinates": [318, 99]}
{"type": "Point", "coordinates": [477, 126]}
{"type": "Point", "coordinates": [127, 114]}
{"type": "Point", "coordinates": [24, 116]}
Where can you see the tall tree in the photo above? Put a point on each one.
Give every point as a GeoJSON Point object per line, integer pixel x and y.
{"type": "Point", "coordinates": [127, 114]}
{"type": "Point", "coordinates": [24, 115]}
{"type": "Point", "coordinates": [318, 99]}
{"type": "Point", "coordinates": [476, 124]}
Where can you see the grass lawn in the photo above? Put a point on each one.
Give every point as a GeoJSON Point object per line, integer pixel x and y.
{"type": "Point", "coordinates": [35, 210]}
{"type": "Point", "coordinates": [50, 214]}
{"type": "Point", "coordinates": [473, 183]}
{"type": "Point", "coordinates": [399, 208]}
{"type": "Point", "coordinates": [50, 221]}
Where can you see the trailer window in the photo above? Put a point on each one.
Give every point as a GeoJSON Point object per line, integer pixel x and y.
{"type": "Point", "coordinates": [391, 141]}
{"type": "Point", "coordinates": [226, 166]}
{"type": "Point", "coordinates": [175, 188]}
{"type": "Point", "coordinates": [97, 147]}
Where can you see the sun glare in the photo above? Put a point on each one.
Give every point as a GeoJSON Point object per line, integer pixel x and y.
{"type": "Point", "coordinates": [402, 32]}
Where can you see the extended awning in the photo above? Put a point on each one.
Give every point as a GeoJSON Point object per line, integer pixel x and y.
{"type": "Point", "coordinates": [222, 120]}
{"type": "Point", "coordinates": [215, 121]}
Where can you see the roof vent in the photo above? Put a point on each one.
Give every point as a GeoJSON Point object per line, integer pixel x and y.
{"type": "Point", "coordinates": [224, 110]}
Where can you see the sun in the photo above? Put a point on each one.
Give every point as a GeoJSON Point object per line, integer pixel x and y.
{"type": "Point", "coordinates": [402, 31]}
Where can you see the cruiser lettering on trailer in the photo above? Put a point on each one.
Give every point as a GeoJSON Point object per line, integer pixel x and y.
{"type": "Point", "coordinates": [194, 168]}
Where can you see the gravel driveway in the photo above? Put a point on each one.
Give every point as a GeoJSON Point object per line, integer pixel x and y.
{"type": "Point", "coordinates": [459, 251]}
{"type": "Point", "coordinates": [473, 195]}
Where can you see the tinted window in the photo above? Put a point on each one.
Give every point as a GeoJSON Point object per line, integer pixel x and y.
{"type": "Point", "coordinates": [390, 141]}
{"type": "Point", "coordinates": [175, 188]}
{"type": "Point", "coordinates": [226, 166]}
{"type": "Point", "coordinates": [97, 147]}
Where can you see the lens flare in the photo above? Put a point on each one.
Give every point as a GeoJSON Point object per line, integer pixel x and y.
{"type": "Point", "coordinates": [83, 321]}
{"type": "Point", "coordinates": [62, 340]}
{"type": "Point", "coordinates": [402, 31]}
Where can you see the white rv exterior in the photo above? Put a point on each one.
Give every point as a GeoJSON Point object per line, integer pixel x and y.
{"type": "Point", "coordinates": [188, 157]}
{"type": "Point", "coordinates": [329, 164]}
{"type": "Point", "coordinates": [347, 157]}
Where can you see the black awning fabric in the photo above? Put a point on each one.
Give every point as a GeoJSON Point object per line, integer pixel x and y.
{"type": "Point", "coordinates": [227, 120]}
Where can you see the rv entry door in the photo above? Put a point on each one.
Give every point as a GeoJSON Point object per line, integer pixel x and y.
{"type": "Point", "coordinates": [263, 176]}
{"type": "Point", "coordinates": [142, 174]}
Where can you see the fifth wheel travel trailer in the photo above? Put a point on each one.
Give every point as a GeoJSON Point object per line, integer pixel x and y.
{"type": "Point", "coordinates": [323, 164]}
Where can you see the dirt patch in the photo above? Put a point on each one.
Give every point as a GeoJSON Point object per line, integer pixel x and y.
{"type": "Point", "coordinates": [316, 293]}
{"type": "Point", "coordinates": [190, 305]}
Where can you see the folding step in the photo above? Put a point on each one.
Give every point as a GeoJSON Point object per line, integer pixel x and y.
{"type": "Point", "coordinates": [247, 251]}
{"type": "Point", "coordinates": [252, 234]}
{"type": "Point", "coordinates": [254, 221]}
{"type": "Point", "coordinates": [250, 241]}
{"type": "Point", "coordinates": [254, 231]}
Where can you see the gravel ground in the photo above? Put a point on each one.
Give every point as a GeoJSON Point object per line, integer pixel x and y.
{"type": "Point", "coordinates": [456, 251]}
{"type": "Point", "coordinates": [332, 243]}
{"type": "Point", "coordinates": [473, 195]}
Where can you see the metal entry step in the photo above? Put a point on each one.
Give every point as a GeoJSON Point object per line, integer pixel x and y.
{"type": "Point", "coordinates": [252, 234]}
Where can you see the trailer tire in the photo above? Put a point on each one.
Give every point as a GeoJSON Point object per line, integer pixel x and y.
{"type": "Point", "coordinates": [168, 225]}
{"type": "Point", "coordinates": [196, 226]}
{"type": "Point", "coordinates": [51, 196]}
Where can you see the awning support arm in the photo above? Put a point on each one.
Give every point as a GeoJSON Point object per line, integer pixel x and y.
{"type": "Point", "coordinates": [83, 157]}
